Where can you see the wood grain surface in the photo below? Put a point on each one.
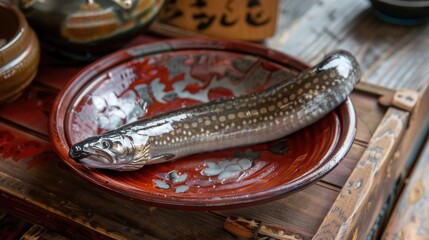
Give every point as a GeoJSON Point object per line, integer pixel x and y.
{"type": "Point", "coordinates": [353, 212]}
{"type": "Point", "coordinates": [410, 217]}
{"type": "Point", "coordinates": [37, 232]}
{"type": "Point", "coordinates": [391, 56]}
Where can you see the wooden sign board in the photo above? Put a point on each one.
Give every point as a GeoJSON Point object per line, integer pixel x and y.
{"type": "Point", "coordinates": [251, 20]}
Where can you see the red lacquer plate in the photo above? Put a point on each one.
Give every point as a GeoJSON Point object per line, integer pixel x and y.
{"type": "Point", "coordinates": [150, 79]}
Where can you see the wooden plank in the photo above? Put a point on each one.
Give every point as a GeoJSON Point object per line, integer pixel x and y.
{"type": "Point", "coordinates": [247, 228]}
{"type": "Point", "coordinates": [354, 211]}
{"type": "Point", "coordinates": [391, 56]}
{"type": "Point", "coordinates": [407, 66]}
{"type": "Point", "coordinates": [415, 136]}
{"type": "Point", "coordinates": [309, 41]}
{"type": "Point", "coordinates": [409, 148]}
{"type": "Point", "coordinates": [289, 12]}
{"type": "Point", "coordinates": [369, 114]}
{"type": "Point", "coordinates": [38, 232]}
{"type": "Point", "coordinates": [302, 211]}
{"type": "Point", "coordinates": [410, 217]}
{"type": "Point", "coordinates": [339, 175]}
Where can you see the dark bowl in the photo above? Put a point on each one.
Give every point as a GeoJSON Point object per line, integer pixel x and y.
{"type": "Point", "coordinates": [151, 79]}
{"type": "Point", "coordinates": [402, 12]}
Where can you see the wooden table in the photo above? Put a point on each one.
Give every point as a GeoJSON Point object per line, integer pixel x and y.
{"type": "Point", "coordinates": [352, 201]}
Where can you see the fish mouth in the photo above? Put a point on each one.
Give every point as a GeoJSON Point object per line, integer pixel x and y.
{"type": "Point", "coordinates": [77, 153]}
{"type": "Point", "coordinates": [93, 157]}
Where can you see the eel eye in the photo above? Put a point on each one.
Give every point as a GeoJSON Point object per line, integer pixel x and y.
{"type": "Point", "coordinates": [106, 144]}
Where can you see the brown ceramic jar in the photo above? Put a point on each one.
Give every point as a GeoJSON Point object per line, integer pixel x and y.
{"type": "Point", "coordinates": [19, 53]}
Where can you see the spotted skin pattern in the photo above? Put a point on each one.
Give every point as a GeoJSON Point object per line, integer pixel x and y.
{"type": "Point", "coordinates": [249, 119]}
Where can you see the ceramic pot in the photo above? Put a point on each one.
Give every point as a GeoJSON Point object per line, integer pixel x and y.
{"type": "Point", "coordinates": [402, 12]}
{"type": "Point", "coordinates": [88, 29]}
{"type": "Point", "coordinates": [19, 53]}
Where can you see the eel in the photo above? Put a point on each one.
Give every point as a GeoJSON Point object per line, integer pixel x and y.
{"type": "Point", "coordinates": [225, 123]}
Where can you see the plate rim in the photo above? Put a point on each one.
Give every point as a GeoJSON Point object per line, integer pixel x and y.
{"type": "Point", "coordinates": [57, 120]}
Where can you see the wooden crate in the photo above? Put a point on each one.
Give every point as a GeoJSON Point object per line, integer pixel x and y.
{"type": "Point", "coordinates": [36, 185]}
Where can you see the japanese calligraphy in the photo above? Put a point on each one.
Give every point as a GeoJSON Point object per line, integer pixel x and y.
{"type": "Point", "coordinates": [171, 10]}
{"type": "Point", "coordinates": [255, 18]}
{"type": "Point", "coordinates": [225, 21]}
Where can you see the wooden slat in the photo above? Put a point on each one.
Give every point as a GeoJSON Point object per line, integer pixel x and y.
{"type": "Point", "coordinates": [415, 136]}
{"type": "Point", "coordinates": [338, 176]}
{"type": "Point", "coordinates": [38, 232]}
{"type": "Point", "coordinates": [391, 56]}
{"type": "Point", "coordinates": [353, 212]}
{"type": "Point", "coordinates": [369, 114]}
{"type": "Point", "coordinates": [309, 41]}
{"type": "Point", "coordinates": [247, 228]}
{"type": "Point", "coordinates": [411, 144]}
{"type": "Point", "coordinates": [302, 211]}
{"type": "Point", "coordinates": [410, 218]}
{"type": "Point", "coordinates": [289, 12]}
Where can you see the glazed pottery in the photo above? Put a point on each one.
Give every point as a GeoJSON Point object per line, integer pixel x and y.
{"type": "Point", "coordinates": [151, 79]}
{"type": "Point", "coordinates": [402, 12]}
{"type": "Point", "coordinates": [19, 53]}
{"type": "Point", "coordinates": [87, 29]}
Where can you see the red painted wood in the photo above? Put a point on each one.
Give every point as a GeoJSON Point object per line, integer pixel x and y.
{"type": "Point", "coordinates": [23, 148]}
{"type": "Point", "coordinates": [32, 109]}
